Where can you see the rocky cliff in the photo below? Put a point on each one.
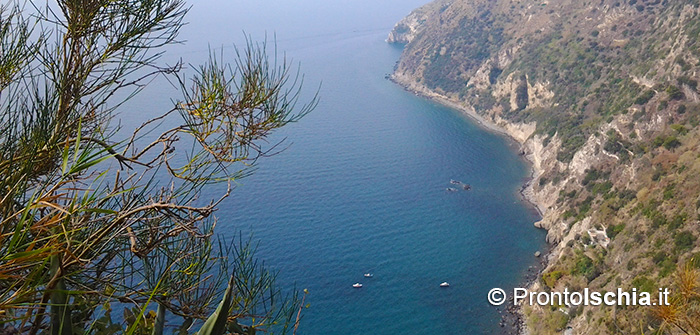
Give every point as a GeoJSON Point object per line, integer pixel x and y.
{"type": "Point", "coordinates": [603, 97]}
{"type": "Point", "coordinates": [405, 30]}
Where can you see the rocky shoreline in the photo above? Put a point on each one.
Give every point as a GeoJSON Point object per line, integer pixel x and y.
{"type": "Point", "coordinates": [487, 125]}
{"type": "Point", "coordinates": [512, 318]}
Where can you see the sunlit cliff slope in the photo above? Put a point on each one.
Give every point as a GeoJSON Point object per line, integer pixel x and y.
{"type": "Point", "coordinates": [603, 96]}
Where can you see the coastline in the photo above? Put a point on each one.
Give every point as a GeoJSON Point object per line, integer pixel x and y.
{"type": "Point", "coordinates": [486, 125]}
{"type": "Point", "coordinates": [512, 317]}
{"type": "Point", "coordinates": [480, 120]}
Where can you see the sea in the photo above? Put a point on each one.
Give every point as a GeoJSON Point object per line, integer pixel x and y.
{"type": "Point", "coordinates": [361, 185]}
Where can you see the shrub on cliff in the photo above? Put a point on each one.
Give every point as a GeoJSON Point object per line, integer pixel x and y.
{"type": "Point", "coordinates": [674, 93]}
{"type": "Point", "coordinates": [684, 240]}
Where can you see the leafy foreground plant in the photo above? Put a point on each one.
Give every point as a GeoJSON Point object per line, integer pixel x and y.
{"type": "Point", "coordinates": [682, 314]}
{"type": "Point", "coordinates": [91, 221]}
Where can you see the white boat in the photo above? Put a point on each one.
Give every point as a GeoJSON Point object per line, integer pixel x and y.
{"type": "Point", "coordinates": [368, 275]}
{"type": "Point", "coordinates": [357, 285]}
{"type": "Point", "coordinates": [444, 284]}
{"type": "Point", "coordinates": [451, 189]}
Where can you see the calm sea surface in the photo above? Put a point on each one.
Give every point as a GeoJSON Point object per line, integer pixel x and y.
{"type": "Point", "coordinates": [362, 186]}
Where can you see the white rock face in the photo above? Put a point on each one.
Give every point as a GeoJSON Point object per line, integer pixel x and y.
{"type": "Point", "coordinates": [405, 30]}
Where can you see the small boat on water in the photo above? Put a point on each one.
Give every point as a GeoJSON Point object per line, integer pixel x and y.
{"type": "Point", "coordinates": [357, 285]}
{"type": "Point", "coordinates": [467, 187]}
{"type": "Point", "coordinates": [368, 275]}
{"type": "Point", "coordinates": [455, 182]}
{"type": "Point", "coordinates": [444, 284]}
{"type": "Point", "coordinates": [451, 189]}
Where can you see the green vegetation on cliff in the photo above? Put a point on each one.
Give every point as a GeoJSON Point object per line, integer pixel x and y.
{"type": "Point", "coordinates": [611, 90]}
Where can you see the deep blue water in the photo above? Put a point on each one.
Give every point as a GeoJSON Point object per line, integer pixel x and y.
{"type": "Point", "coordinates": [362, 186]}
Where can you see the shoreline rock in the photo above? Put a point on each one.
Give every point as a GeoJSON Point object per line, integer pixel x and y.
{"type": "Point", "coordinates": [513, 320]}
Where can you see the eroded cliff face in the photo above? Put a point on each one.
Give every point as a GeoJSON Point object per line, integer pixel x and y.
{"type": "Point", "coordinates": [603, 98]}
{"type": "Point", "coordinates": [405, 30]}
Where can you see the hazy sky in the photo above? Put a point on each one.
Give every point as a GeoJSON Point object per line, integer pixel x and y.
{"type": "Point", "coordinates": [221, 22]}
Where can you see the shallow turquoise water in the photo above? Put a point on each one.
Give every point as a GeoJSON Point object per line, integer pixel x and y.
{"type": "Point", "coordinates": [362, 187]}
